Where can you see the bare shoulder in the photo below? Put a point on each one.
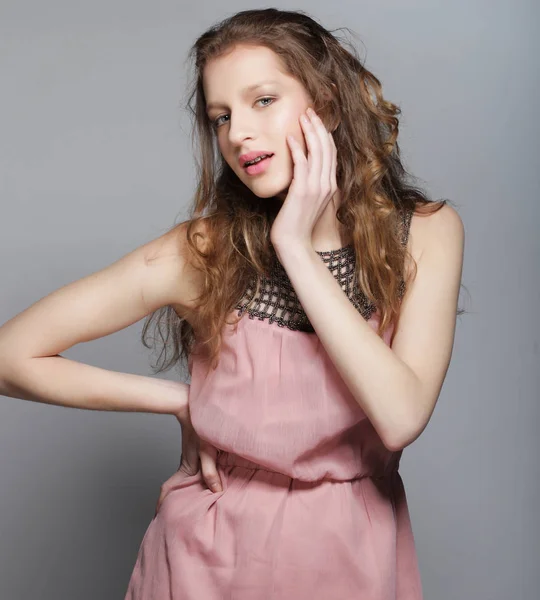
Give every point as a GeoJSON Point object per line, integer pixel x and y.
{"type": "Point", "coordinates": [170, 255]}
{"type": "Point", "coordinates": [441, 229]}
{"type": "Point", "coordinates": [173, 244]}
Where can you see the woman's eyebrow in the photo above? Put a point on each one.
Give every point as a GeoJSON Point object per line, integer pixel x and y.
{"type": "Point", "coordinates": [245, 91]}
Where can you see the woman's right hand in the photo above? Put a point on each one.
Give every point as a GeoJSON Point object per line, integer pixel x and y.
{"type": "Point", "coordinates": [195, 452]}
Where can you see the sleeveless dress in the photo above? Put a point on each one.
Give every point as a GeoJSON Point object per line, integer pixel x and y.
{"type": "Point", "coordinates": [313, 506]}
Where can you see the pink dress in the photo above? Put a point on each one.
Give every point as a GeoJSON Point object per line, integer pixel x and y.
{"type": "Point", "coordinates": [313, 506]}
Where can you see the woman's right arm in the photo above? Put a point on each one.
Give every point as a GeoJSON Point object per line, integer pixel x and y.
{"type": "Point", "coordinates": [31, 367]}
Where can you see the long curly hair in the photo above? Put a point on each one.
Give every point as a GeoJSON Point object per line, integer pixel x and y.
{"type": "Point", "coordinates": [372, 180]}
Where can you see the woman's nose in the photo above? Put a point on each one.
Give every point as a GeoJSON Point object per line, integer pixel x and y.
{"type": "Point", "coordinates": [241, 128]}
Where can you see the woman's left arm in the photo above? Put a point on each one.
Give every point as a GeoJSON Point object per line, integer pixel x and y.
{"type": "Point", "coordinates": [397, 387]}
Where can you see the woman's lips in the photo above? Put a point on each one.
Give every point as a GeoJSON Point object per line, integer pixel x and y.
{"type": "Point", "coordinates": [259, 167]}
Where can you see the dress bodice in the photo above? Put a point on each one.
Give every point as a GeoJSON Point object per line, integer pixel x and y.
{"type": "Point", "coordinates": [276, 398]}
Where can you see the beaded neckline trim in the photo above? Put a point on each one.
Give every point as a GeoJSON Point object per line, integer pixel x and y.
{"type": "Point", "coordinates": [338, 251]}
{"type": "Point", "coordinates": [277, 301]}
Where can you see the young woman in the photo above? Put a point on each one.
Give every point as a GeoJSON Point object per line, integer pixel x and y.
{"type": "Point", "coordinates": [314, 295]}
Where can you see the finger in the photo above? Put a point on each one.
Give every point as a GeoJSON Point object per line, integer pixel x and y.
{"type": "Point", "coordinates": [314, 150]}
{"type": "Point", "coordinates": [208, 456]}
{"type": "Point", "coordinates": [300, 165]}
{"type": "Point", "coordinates": [326, 153]}
{"type": "Point", "coordinates": [189, 460]}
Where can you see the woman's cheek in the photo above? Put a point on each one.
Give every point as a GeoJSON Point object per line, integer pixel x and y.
{"type": "Point", "coordinates": [288, 124]}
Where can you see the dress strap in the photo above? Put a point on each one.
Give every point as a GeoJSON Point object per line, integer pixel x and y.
{"type": "Point", "coordinates": [406, 218]}
{"type": "Point", "coordinates": [405, 226]}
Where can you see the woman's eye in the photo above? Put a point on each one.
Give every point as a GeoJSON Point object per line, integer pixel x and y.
{"type": "Point", "coordinates": [216, 122]}
{"type": "Point", "coordinates": [265, 98]}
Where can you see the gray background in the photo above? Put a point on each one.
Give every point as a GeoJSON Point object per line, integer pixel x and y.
{"type": "Point", "coordinates": [95, 160]}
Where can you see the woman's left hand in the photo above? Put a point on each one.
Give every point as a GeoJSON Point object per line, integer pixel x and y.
{"type": "Point", "coordinates": [313, 185]}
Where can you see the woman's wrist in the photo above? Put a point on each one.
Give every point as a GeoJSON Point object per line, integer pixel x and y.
{"type": "Point", "coordinates": [169, 397]}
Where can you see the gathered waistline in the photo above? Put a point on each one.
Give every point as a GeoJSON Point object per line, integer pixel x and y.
{"type": "Point", "coordinates": [229, 459]}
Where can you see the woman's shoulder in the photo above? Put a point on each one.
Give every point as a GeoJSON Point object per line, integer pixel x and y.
{"type": "Point", "coordinates": [170, 252]}
{"type": "Point", "coordinates": [429, 226]}
{"type": "Point", "coordinates": [173, 243]}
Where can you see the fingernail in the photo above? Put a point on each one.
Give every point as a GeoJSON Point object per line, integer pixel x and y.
{"type": "Point", "coordinates": [216, 487]}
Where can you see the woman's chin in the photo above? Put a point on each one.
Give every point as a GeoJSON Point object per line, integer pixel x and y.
{"type": "Point", "coordinates": [270, 189]}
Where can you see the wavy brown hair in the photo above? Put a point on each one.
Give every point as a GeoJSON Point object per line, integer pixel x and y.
{"type": "Point", "coordinates": [236, 223]}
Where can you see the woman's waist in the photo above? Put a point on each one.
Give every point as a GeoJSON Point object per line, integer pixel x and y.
{"type": "Point", "coordinates": [322, 470]}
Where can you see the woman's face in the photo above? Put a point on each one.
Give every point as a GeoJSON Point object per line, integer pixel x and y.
{"type": "Point", "coordinates": [249, 118]}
